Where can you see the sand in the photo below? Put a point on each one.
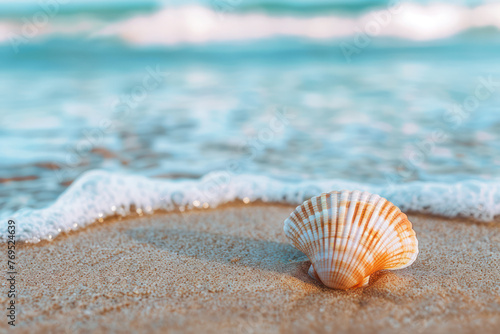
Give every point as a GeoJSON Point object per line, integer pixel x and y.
{"type": "Point", "coordinates": [232, 270]}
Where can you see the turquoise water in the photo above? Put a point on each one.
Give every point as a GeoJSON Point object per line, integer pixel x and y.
{"type": "Point", "coordinates": [86, 92]}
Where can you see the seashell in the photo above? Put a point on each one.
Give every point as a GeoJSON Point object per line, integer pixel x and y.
{"type": "Point", "coordinates": [349, 235]}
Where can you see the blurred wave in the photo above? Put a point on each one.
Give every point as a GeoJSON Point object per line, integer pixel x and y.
{"type": "Point", "coordinates": [224, 20]}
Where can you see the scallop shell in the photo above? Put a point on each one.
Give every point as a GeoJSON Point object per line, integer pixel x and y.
{"type": "Point", "coordinates": [349, 235]}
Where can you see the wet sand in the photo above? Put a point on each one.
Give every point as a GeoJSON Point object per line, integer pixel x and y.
{"type": "Point", "coordinates": [231, 270]}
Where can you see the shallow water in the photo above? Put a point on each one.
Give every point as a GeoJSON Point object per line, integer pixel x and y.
{"type": "Point", "coordinates": [414, 115]}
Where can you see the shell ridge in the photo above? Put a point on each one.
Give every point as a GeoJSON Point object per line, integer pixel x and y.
{"type": "Point", "coordinates": [370, 208]}
{"type": "Point", "coordinates": [366, 209]}
{"type": "Point", "coordinates": [390, 234]}
{"type": "Point", "coordinates": [309, 237]}
{"type": "Point", "coordinates": [345, 261]}
{"type": "Point", "coordinates": [369, 238]}
{"type": "Point", "coordinates": [318, 215]}
{"type": "Point", "coordinates": [357, 247]}
{"type": "Point", "coordinates": [314, 216]}
{"type": "Point", "coordinates": [292, 222]}
{"type": "Point", "coordinates": [396, 256]}
{"type": "Point", "coordinates": [297, 228]}
{"type": "Point", "coordinates": [396, 222]}
{"type": "Point", "coordinates": [325, 225]}
{"type": "Point", "coordinates": [349, 220]}
{"type": "Point", "coordinates": [336, 206]}
{"type": "Point", "coordinates": [382, 225]}
{"type": "Point", "coordinates": [377, 203]}
{"type": "Point", "coordinates": [325, 221]}
{"type": "Point", "coordinates": [366, 237]}
{"type": "Point", "coordinates": [312, 236]}
{"type": "Point", "coordinates": [332, 228]}
{"type": "Point", "coordinates": [411, 236]}
{"type": "Point", "coordinates": [302, 227]}
{"type": "Point", "coordinates": [291, 225]}
{"type": "Point", "coordinates": [292, 228]}
{"type": "Point", "coordinates": [341, 205]}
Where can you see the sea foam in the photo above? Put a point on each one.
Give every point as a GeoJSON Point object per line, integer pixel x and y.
{"type": "Point", "coordinates": [99, 194]}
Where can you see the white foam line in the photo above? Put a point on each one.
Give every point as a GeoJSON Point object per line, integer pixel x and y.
{"type": "Point", "coordinates": [99, 194]}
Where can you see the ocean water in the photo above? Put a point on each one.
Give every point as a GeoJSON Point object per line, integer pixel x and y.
{"type": "Point", "coordinates": [117, 109]}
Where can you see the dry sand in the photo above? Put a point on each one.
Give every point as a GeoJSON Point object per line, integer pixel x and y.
{"type": "Point", "coordinates": [232, 270]}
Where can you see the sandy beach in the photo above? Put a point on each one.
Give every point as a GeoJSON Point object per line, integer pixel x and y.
{"type": "Point", "coordinates": [232, 270]}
